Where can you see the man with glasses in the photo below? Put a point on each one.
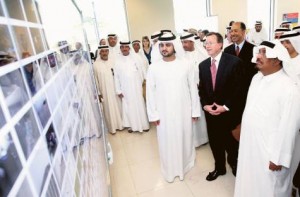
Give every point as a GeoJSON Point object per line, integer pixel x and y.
{"type": "Point", "coordinates": [220, 90]}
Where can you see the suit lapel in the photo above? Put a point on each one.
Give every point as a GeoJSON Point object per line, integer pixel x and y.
{"type": "Point", "coordinates": [243, 50]}
{"type": "Point", "coordinates": [209, 75]}
{"type": "Point", "coordinates": [220, 70]}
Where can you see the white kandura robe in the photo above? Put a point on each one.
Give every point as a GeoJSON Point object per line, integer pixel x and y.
{"type": "Point", "coordinates": [155, 54]}
{"type": "Point", "coordinates": [106, 86]}
{"type": "Point", "coordinates": [257, 37]}
{"type": "Point", "coordinates": [292, 68]}
{"type": "Point", "coordinates": [268, 132]}
{"type": "Point", "coordinates": [199, 127]}
{"type": "Point", "coordinates": [144, 59]}
{"type": "Point", "coordinates": [172, 98]}
{"type": "Point", "coordinates": [114, 52]}
{"type": "Point", "coordinates": [129, 77]}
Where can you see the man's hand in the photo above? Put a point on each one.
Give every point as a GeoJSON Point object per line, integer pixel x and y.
{"type": "Point", "coordinates": [274, 167]}
{"type": "Point", "coordinates": [194, 119]}
{"type": "Point", "coordinates": [100, 98]}
{"type": "Point", "coordinates": [156, 123]}
{"type": "Point", "coordinates": [236, 132]}
{"type": "Point", "coordinates": [214, 109]}
{"type": "Point", "coordinates": [121, 96]}
{"type": "Point", "coordinates": [209, 108]}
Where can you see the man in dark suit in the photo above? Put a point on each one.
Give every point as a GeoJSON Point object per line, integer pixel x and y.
{"type": "Point", "coordinates": [244, 50]}
{"type": "Point", "coordinates": [220, 90]}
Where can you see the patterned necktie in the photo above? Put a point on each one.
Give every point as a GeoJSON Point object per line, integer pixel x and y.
{"type": "Point", "coordinates": [237, 50]}
{"type": "Point", "coordinates": [213, 70]}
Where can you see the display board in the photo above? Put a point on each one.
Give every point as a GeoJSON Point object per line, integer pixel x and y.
{"type": "Point", "coordinates": [51, 125]}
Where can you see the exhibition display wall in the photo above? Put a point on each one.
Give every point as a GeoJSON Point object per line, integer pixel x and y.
{"type": "Point", "coordinates": [52, 134]}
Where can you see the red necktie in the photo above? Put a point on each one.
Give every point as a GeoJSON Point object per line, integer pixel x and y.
{"type": "Point", "coordinates": [213, 70]}
{"type": "Point", "coordinates": [237, 50]}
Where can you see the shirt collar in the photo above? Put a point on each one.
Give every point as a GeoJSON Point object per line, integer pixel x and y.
{"type": "Point", "coordinates": [240, 45]}
{"type": "Point", "coordinates": [217, 58]}
{"type": "Point", "coordinates": [273, 76]}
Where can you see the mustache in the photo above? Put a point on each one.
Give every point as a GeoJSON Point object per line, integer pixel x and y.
{"type": "Point", "coordinates": [258, 60]}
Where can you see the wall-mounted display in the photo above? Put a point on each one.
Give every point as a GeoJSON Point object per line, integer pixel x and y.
{"type": "Point", "coordinates": [30, 11]}
{"type": "Point", "coordinates": [52, 95]}
{"type": "Point", "coordinates": [32, 75]}
{"type": "Point", "coordinates": [28, 132]}
{"type": "Point", "coordinates": [59, 168]}
{"type": "Point", "coordinates": [7, 51]}
{"type": "Point", "coordinates": [37, 40]}
{"type": "Point", "coordinates": [58, 122]}
{"type": "Point", "coordinates": [52, 189]}
{"type": "Point", "coordinates": [42, 109]}
{"type": "Point", "coordinates": [14, 91]}
{"type": "Point", "coordinates": [24, 189]}
{"type": "Point", "coordinates": [51, 140]}
{"type": "Point", "coordinates": [45, 69]}
{"type": "Point", "coordinates": [22, 40]}
{"type": "Point", "coordinates": [40, 168]}
{"type": "Point", "coordinates": [48, 108]}
{"type": "Point", "coordinates": [2, 118]}
{"type": "Point", "coordinates": [14, 9]}
{"type": "Point", "coordinates": [10, 164]}
{"type": "Point", "coordinates": [1, 11]}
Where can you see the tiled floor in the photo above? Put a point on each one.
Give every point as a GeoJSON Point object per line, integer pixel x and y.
{"type": "Point", "coordinates": [135, 171]}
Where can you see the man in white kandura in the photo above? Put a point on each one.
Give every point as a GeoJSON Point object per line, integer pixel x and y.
{"type": "Point", "coordinates": [155, 52]}
{"type": "Point", "coordinates": [194, 56]}
{"type": "Point", "coordinates": [129, 77]}
{"type": "Point", "coordinates": [103, 69]}
{"type": "Point", "coordinates": [136, 45]}
{"type": "Point", "coordinates": [114, 48]}
{"type": "Point", "coordinates": [291, 41]}
{"type": "Point", "coordinates": [269, 127]}
{"type": "Point", "coordinates": [258, 34]}
{"type": "Point", "coordinates": [172, 104]}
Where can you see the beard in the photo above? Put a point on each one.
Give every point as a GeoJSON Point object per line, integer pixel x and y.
{"type": "Point", "coordinates": [166, 53]}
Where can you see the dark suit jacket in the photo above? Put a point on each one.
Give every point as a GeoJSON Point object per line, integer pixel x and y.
{"type": "Point", "coordinates": [249, 70]}
{"type": "Point", "coordinates": [228, 84]}
{"type": "Point", "coordinates": [245, 54]}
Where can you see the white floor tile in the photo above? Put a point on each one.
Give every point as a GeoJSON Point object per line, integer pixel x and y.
{"type": "Point", "coordinates": [176, 189]}
{"type": "Point", "coordinates": [147, 175]}
{"type": "Point", "coordinates": [141, 150]}
{"type": "Point", "coordinates": [119, 159]}
{"type": "Point", "coordinates": [136, 170]}
{"type": "Point", "coordinates": [115, 140]}
{"type": "Point", "coordinates": [122, 184]}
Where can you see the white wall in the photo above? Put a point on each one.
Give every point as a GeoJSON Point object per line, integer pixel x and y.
{"type": "Point", "coordinates": [284, 7]}
{"type": "Point", "coordinates": [229, 10]}
{"type": "Point", "coordinates": [148, 16]}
